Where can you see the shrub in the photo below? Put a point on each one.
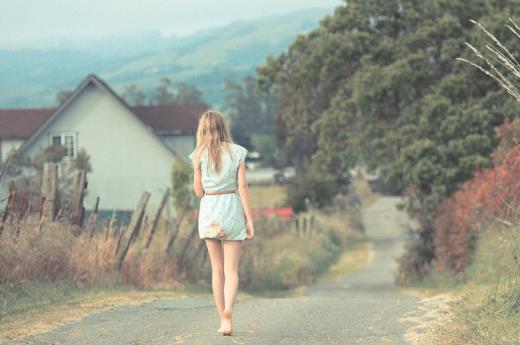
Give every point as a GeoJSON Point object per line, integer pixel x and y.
{"type": "Point", "coordinates": [318, 188]}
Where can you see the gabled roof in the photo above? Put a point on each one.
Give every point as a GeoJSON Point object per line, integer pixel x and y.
{"type": "Point", "coordinates": [22, 123]}
{"type": "Point", "coordinates": [171, 119]}
{"type": "Point", "coordinates": [28, 123]}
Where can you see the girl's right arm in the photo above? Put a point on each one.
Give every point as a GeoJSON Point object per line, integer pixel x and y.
{"type": "Point", "coordinates": [197, 180]}
{"type": "Point", "coordinates": [243, 191]}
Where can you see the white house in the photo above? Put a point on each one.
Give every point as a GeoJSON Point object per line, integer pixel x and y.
{"type": "Point", "coordinates": [131, 149]}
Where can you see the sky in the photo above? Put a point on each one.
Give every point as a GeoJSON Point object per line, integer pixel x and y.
{"type": "Point", "coordinates": [24, 22]}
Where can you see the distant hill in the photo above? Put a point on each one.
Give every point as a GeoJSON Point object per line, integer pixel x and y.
{"type": "Point", "coordinates": [31, 78]}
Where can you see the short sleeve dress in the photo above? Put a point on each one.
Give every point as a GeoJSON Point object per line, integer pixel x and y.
{"type": "Point", "coordinates": [221, 216]}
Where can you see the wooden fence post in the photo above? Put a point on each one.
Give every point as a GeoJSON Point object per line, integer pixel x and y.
{"type": "Point", "coordinates": [35, 193]}
{"type": "Point", "coordinates": [122, 231]}
{"type": "Point", "coordinates": [180, 218]}
{"type": "Point", "coordinates": [77, 210]}
{"type": "Point", "coordinates": [157, 217]}
{"type": "Point", "coordinates": [133, 226]}
{"type": "Point", "coordinates": [93, 219]}
{"type": "Point", "coordinates": [10, 198]}
{"type": "Point", "coordinates": [111, 224]}
{"type": "Point", "coordinates": [50, 191]}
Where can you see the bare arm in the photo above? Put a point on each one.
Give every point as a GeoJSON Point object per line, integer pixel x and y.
{"type": "Point", "coordinates": [243, 191]}
{"type": "Point", "coordinates": [197, 181]}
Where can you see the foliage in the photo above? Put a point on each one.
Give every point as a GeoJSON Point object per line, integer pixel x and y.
{"type": "Point", "coordinates": [82, 161]}
{"type": "Point", "coordinates": [181, 186]}
{"type": "Point", "coordinates": [49, 154]}
{"type": "Point", "coordinates": [378, 82]}
{"type": "Point", "coordinates": [251, 115]}
{"type": "Point", "coordinates": [313, 186]}
{"type": "Point", "coordinates": [491, 195]}
{"type": "Point", "coordinates": [134, 95]}
{"type": "Point", "coordinates": [62, 96]}
{"type": "Point", "coordinates": [183, 94]}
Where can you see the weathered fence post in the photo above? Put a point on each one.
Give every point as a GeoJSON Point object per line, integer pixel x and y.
{"type": "Point", "coordinates": [157, 217]}
{"type": "Point", "coordinates": [122, 232]}
{"type": "Point", "coordinates": [180, 217]}
{"type": "Point", "coordinates": [10, 198]}
{"type": "Point", "coordinates": [93, 219]}
{"type": "Point", "coordinates": [133, 227]}
{"type": "Point", "coordinates": [35, 193]}
{"type": "Point", "coordinates": [50, 191]}
{"type": "Point", "coordinates": [111, 224]}
{"type": "Point", "coordinates": [77, 210]}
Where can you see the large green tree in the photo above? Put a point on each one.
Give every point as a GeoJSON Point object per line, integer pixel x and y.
{"type": "Point", "coordinates": [378, 81]}
{"type": "Point", "coordinates": [251, 113]}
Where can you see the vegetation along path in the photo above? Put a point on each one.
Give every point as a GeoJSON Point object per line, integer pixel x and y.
{"type": "Point", "coordinates": [363, 308]}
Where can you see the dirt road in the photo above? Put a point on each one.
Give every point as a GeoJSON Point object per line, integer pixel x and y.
{"type": "Point", "coordinates": [363, 308]}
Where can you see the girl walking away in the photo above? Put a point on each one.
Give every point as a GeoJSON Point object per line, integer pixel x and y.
{"type": "Point", "coordinates": [225, 217]}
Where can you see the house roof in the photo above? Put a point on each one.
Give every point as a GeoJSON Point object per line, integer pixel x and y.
{"type": "Point", "coordinates": [171, 119]}
{"type": "Point", "coordinates": [24, 123]}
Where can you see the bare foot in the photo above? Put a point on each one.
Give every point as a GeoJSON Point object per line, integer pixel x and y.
{"type": "Point", "coordinates": [227, 324]}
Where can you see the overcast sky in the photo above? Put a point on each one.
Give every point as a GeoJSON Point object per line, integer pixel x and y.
{"type": "Point", "coordinates": [24, 21]}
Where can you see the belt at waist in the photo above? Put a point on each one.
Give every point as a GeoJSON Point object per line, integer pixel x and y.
{"type": "Point", "coordinates": [220, 193]}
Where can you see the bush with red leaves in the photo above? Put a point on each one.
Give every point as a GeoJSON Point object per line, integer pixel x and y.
{"type": "Point", "coordinates": [491, 195]}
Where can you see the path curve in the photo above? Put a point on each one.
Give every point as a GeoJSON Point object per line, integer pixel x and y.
{"type": "Point", "coordinates": [363, 308]}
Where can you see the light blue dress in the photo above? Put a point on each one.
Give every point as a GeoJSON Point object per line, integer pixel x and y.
{"type": "Point", "coordinates": [222, 216]}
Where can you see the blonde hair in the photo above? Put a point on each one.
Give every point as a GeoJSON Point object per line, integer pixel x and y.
{"type": "Point", "coordinates": [212, 134]}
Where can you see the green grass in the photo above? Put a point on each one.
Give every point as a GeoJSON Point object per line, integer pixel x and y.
{"type": "Point", "coordinates": [487, 310]}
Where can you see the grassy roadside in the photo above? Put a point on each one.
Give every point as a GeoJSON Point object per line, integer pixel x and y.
{"type": "Point", "coordinates": [483, 302]}
{"type": "Point", "coordinates": [33, 307]}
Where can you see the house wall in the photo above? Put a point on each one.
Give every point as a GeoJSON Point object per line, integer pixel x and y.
{"type": "Point", "coordinates": [126, 157]}
{"type": "Point", "coordinates": [7, 146]}
{"type": "Point", "coordinates": [183, 144]}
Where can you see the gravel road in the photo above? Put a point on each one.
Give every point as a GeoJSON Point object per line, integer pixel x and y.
{"type": "Point", "coordinates": [363, 308]}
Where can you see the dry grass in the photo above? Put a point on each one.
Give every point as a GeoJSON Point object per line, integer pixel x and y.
{"type": "Point", "coordinates": [267, 196]}
{"type": "Point", "coordinates": [57, 254]}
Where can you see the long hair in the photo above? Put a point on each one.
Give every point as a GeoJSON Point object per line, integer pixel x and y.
{"type": "Point", "coordinates": [212, 134]}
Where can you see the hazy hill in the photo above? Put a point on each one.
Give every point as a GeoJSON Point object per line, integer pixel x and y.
{"type": "Point", "coordinates": [31, 78]}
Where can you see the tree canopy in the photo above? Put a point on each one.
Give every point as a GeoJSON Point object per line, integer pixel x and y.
{"type": "Point", "coordinates": [379, 82]}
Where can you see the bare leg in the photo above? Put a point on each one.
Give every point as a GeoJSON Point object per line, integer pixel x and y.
{"type": "Point", "coordinates": [232, 251]}
{"type": "Point", "coordinates": [217, 272]}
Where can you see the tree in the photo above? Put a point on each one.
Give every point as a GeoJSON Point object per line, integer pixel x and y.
{"type": "Point", "coordinates": [378, 82]}
{"type": "Point", "coordinates": [187, 94]}
{"type": "Point", "coordinates": [181, 186]}
{"type": "Point", "coordinates": [163, 94]}
{"type": "Point", "coordinates": [62, 96]}
{"type": "Point", "coordinates": [134, 95]}
{"type": "Point", "coordinates": [182, 94]}
{"type": "Point", "coordinates": [251, 115]}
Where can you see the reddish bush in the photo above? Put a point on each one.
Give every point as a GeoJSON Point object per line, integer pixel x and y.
{"type": "Point", "coordinates": [491, 195]}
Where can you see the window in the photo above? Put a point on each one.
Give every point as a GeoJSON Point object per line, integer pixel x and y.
{"type": "Point", "coordinates": [69, 145]}
{"type": "Point", "coordinates": [67, 140]}
{"type": "Point", "coordinates": [56, 140]}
